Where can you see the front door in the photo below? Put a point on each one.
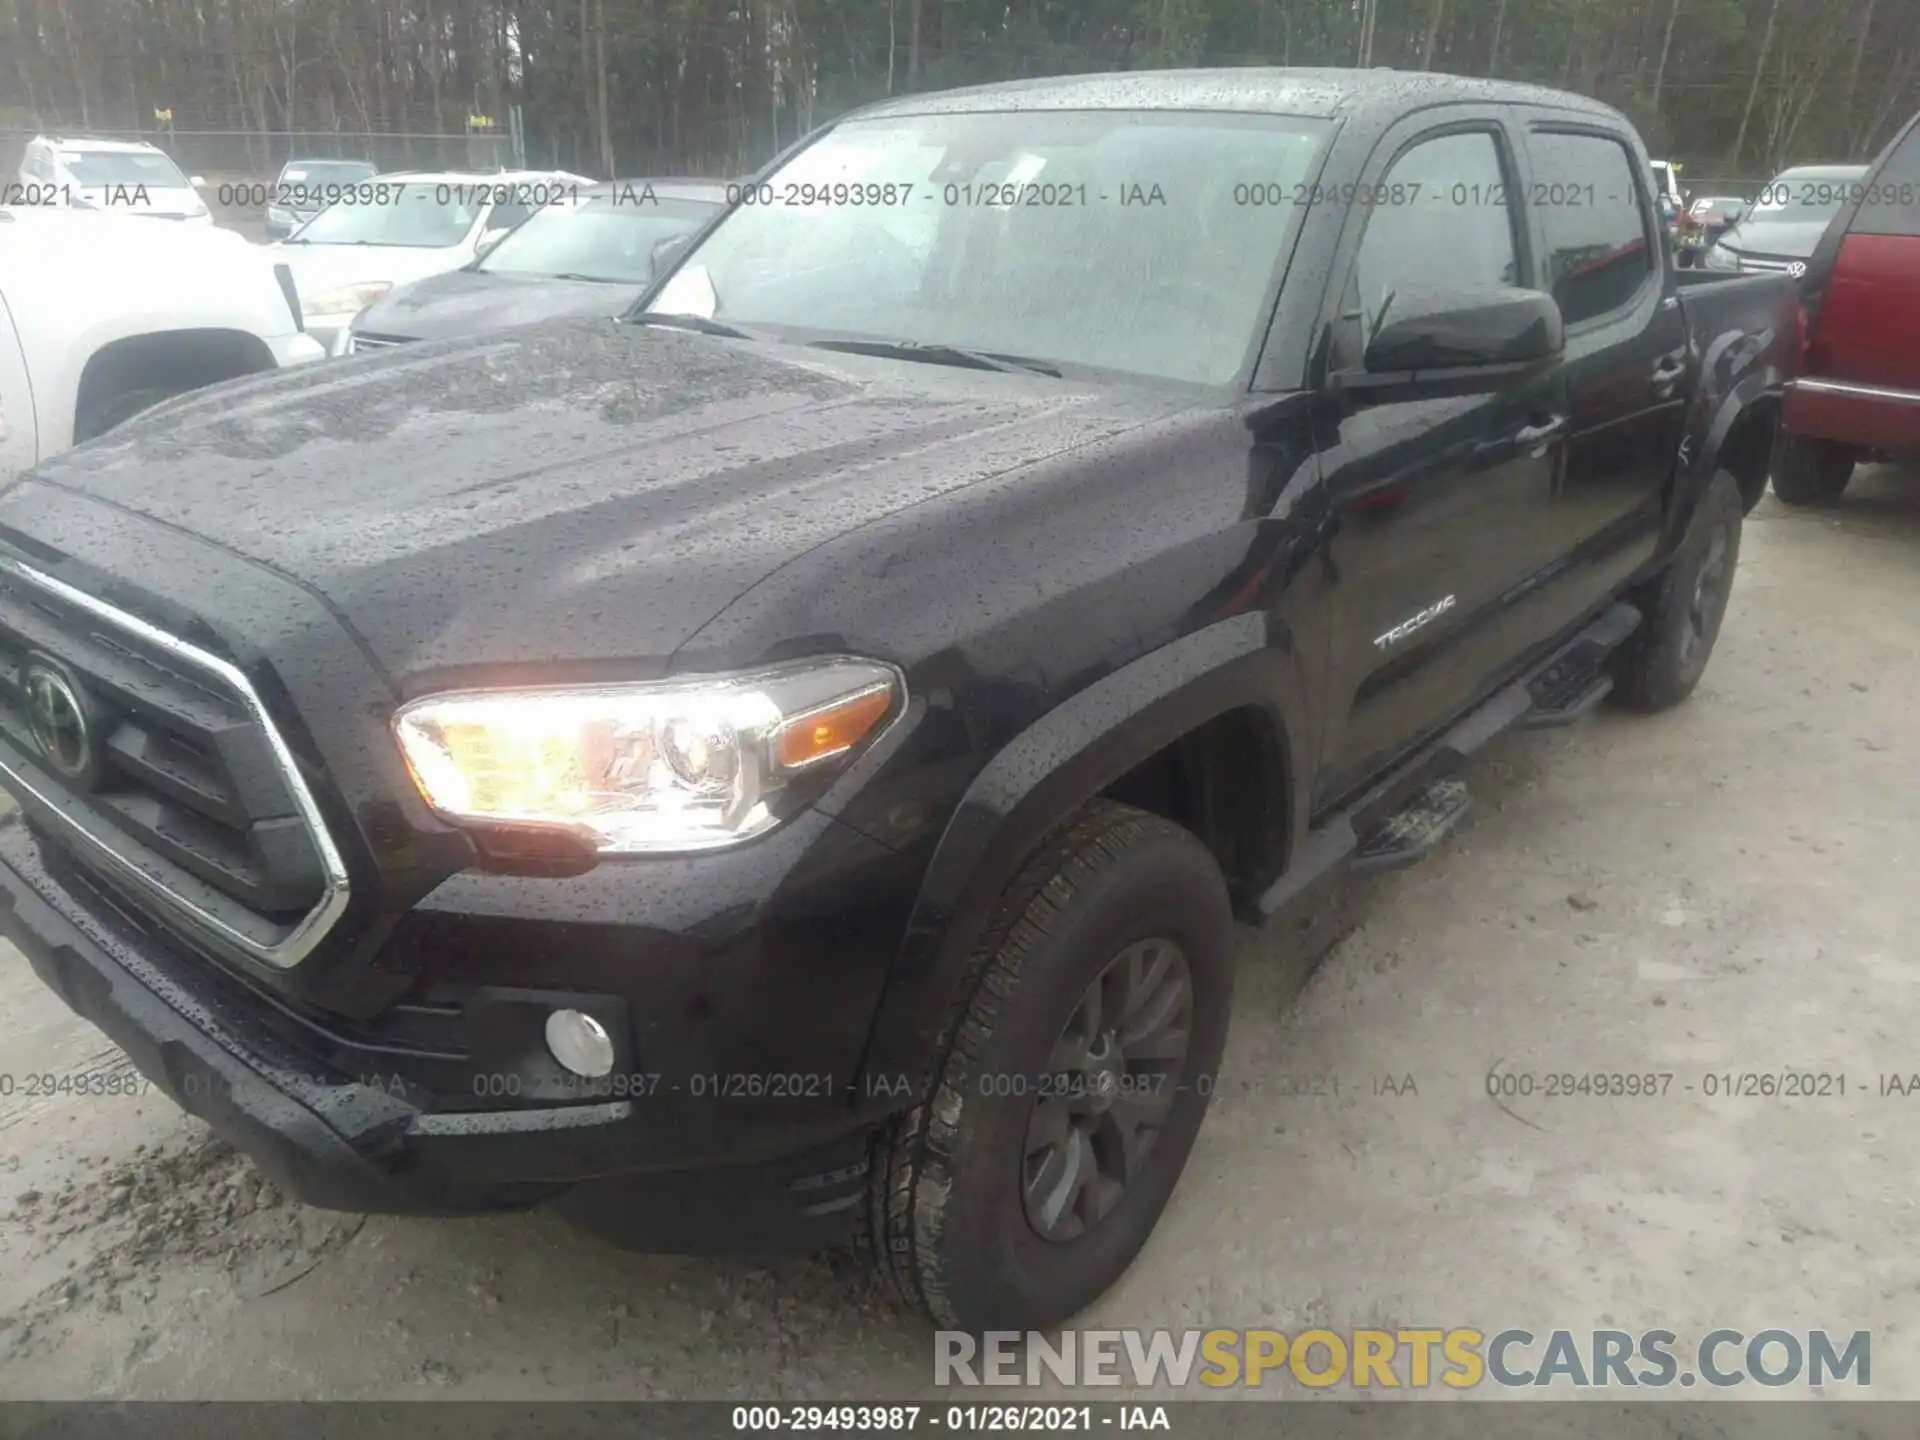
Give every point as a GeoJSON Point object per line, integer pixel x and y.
{"type": "Point", "coordinates": [1440, 506]}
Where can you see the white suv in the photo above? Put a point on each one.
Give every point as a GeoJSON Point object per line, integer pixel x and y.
{"type": "Point", "coordinates": [121, 175]}
{"type": "Point", "coordinates": [108, 175]}
{"type": "Point", "coordinates": [103, 317]}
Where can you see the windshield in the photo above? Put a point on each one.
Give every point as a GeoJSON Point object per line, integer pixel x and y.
{"type": "Point", "coordinates": [1809, 195]}
{"type": "Point", "coordinates": [1141, 241]}
{"type": "Point", "coordinates": [122, 167]}
{"type": "Point", "coordinates": [416, 215]}
{"type": "Point", "coordinates": [608, 237]}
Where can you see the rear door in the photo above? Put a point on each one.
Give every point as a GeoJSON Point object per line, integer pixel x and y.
{"type": "Point", "coordinates": [1627, 359]}
{"type": "Point", "coordinates": [17, 428]}
{"type": "Point", "coordinates": [1440, 506]}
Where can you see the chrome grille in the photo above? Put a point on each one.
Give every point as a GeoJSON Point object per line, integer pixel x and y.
{"type": "Point", "coordinates": [190, 801]}
{"type": "Point", "coordinates": [362, 343]}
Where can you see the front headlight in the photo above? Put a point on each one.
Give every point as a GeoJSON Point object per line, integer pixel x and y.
{"type": "Point", "coordinates": [644, 768]}
{"type": "Point", "coordinates": [346, 300]}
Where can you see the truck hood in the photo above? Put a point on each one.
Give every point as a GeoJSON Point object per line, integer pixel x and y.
{"type": "Point", "coordinates": [471, 302]}
{"type": "Point", "coordinates": [578, 492]}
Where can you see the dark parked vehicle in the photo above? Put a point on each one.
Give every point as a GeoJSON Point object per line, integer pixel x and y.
{"type": "Point", "coordinates": [1858, 392]}
{"type": "Point", "coordinates": [1779, 233]}
{"type": "Point", "coordinates": [1707, 219]}
{"type": "Point", "coordinates": [306, 187]}
{"type": "Point", "coordinates": [784, 769]}
{"type": "Point", "coordinates": [590, 256]}
{"type": "Point", "coordinates": [1717, 213]}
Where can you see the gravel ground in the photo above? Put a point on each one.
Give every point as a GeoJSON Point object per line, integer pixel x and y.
{"type": "Point", "coordinates": [1728, 888]}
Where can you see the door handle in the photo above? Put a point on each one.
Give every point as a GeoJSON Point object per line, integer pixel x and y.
{"type": "Point", "coordinates": [1540, 435]}
{"type": "Point", "coordinates": [1667, 371]}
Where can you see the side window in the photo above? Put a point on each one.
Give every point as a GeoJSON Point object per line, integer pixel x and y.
{"type": "Point", "coordinates": [1441, 218]}
{"type": "Point", "coordinates": [1599, 251]}
{"type": "Point", "coordinates": [1891, 205]}
{"type": "Point", "coordinates": [505, 217]}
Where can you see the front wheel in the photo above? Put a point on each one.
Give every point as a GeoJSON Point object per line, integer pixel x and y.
{"type": "Point", "coordinates": [1664, 659]}
{"type": "Point", "coordinates": [1073, 1087]}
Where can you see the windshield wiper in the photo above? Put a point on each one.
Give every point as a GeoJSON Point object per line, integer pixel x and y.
{"type": "Point", "coordinates": [691, 322]}
{"type": "Point", "coordinates": [591, 279]}
{"type": "Point", "coordinates": [933, 354]}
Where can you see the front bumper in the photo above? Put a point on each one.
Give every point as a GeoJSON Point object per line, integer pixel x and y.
{"type": "Point", "coordinates": [369, 1143]}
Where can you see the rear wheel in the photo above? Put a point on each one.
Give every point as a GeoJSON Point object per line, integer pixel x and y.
{"type": "Point", "coordinates": [1074, 1086]}
{"type": "Point", "coordinates": [1811, 472]}
{"type": "Point", "coordinates": [1664, 659]}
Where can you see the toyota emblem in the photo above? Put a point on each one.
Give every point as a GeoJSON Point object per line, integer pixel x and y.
{"type": "Point", "coordinates": [58, 721]}
{"type": "Point", "coordinates": [1797, 269]}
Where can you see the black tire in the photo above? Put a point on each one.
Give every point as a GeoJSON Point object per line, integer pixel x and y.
{"type": "Point", "coordinates": [1811, 472]}
{"type": "Point", "coordinates": [947, 1223]}
{"type": "Point", "coordinates": [1664, 659]}
{"type": "Point", "coordinates": [105, 413]}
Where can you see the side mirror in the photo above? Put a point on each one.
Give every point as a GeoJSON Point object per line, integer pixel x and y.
{"type": "Point", "coordinates": [198, 182]}
{"type": "Point", "coordinates": [1461, 339]}
{"type": "Point", "coordinates": [666, 252]}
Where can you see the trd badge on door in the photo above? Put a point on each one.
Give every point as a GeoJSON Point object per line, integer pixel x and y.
{"type": "Point", "coordinates": [1412, 623]}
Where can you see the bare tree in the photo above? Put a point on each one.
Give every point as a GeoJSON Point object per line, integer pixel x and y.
{"type": "Point", "coordinates": [1434, 22]}
{"type": "Point", "coordinates": [1856, 140]}
{"type": "Point", "coordinates": [1753, 90]}
{"type": "Point", "coordinates": [1666, 47]}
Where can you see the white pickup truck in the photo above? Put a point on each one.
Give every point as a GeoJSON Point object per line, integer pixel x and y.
{"type": "Point", "coordinates": [103, 316]}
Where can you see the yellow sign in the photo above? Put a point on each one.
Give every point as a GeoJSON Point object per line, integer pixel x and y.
{"type": "Point", "coordinates": [166, 115]}
{"type": "Point", "coordinates": [480, 122]}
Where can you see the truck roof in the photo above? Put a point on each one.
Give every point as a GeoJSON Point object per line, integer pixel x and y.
{"type": "Point", "coordinates": [1321, 93]}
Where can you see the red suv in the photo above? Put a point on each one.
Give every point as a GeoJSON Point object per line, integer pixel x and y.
{"type": "Point", "coordinates": [1858, 391]}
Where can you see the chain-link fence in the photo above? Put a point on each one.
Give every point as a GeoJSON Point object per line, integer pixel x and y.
{"type": "Point", "coordinates": [1700, 186]}
{"type": "Point", "coordinates": [259, 154]}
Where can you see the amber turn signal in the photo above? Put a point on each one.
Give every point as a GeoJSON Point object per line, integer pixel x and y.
{"type": "Point", "coordinates": [808, 739]}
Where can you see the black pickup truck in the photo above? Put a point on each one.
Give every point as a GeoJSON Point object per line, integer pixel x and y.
{"type": "Point", "coordinates": [782, 768]}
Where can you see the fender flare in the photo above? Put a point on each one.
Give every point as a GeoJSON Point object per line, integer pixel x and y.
{"type": "Point", "coordinates": [1034, 782]}
{"type": "Point", "coordinates": [1751, 393]}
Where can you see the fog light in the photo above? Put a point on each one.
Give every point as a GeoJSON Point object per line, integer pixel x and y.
{"type": "Point", "coordinates": [580, 1043]}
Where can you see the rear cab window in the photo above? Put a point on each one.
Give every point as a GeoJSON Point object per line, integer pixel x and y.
{"type": "Point", "coordinates": [1595, 225]}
